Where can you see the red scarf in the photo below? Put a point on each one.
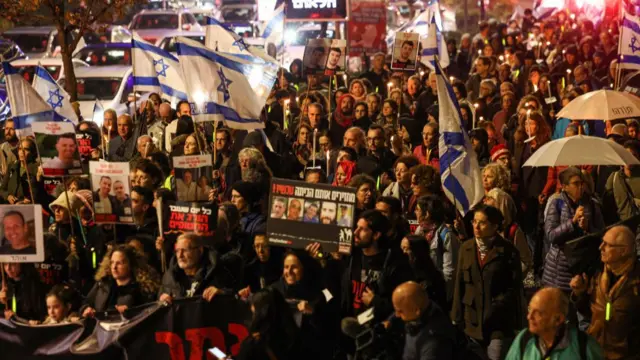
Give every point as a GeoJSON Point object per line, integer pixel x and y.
{"type": "Point", "coordinates": [341, 119]}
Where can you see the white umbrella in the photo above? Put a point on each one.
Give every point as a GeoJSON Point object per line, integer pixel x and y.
{"type": "Point", "coordinates": [581, 150]}
{"type": "Point", "coordinates": [602, 105]}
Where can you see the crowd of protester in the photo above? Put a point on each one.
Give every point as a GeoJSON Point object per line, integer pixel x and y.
{"type": "Point", "coordinates": [496, 283]}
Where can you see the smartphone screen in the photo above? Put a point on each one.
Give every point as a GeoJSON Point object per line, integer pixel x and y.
{"type": "Point", "coordinates": [217, 353]}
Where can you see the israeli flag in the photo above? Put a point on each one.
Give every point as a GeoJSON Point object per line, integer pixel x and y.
{"type": "Point", "coordinates": [629, 45]}
{"type": "Point", "coordinates": [53, 94]}
{"type": "Point", "coordinates": [235, 90]}
{"type": "Point", "coordinates": [157, 70]}
{"type": "Point", "coordinates": [433, 45]}
{"type": "Point", "coordinates": [5, 111]}
{"type": "Point", "coordinates": [221, 39]}
{"type": "Point", "coordinates": [459, 169]}
{"type": "Point", "coordinates": [274, 32]}
{"type": "Point", "coordinates": [26, 105]}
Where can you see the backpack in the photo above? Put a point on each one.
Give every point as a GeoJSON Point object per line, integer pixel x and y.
{"type": "Point", "coordinates": [582, 343]}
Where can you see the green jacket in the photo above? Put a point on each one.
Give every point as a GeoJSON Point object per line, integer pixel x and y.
{"type": "Point", "coordinates": [570, 352]}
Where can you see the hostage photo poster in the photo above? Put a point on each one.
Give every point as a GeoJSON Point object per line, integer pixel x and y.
{"type": "Point", "coordinates": [301, 213]}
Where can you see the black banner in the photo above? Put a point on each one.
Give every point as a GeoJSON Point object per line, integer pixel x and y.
{"type": "Point", "coordinates": [182, 331]}
{"type": "Point", "coordinates": [301, 213]}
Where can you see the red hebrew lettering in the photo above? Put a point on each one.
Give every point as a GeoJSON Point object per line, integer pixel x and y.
{"type": "Point", "coordinates": [176, 349]}
{"type": "Point", "coordinates": [241, 332]}
{"type": "Point", "coordinates": [197, 336]}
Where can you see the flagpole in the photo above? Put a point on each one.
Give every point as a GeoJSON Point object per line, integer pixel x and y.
{"type": "Point", "coordinates": [621, 17]}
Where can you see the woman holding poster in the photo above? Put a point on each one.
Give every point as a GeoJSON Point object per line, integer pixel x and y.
{"type": "Point", "coordinates": [20, 180]}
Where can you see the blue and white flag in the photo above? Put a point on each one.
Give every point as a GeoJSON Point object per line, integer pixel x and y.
{"type": "Point", "coordinates": [26, 105]}
{"type": "Point", "coordinates": [629, 46]}
{"type": "Point", "coordinates": [5, 110]}
{"type": "Point", "coordinates": [459, 169]}
{"type": "Point", "coordinates": [224, 40]}
{"type": "Point", "coordinates": [274, 31]}
{"type": "Point", "coordinates": [235, 89]}
{"type": "Point", "coordinates": [433, 45]}
{"type": "Point", "coordinates": [157, 70]}
{"type": "Point", "coordinates": [53, 94]}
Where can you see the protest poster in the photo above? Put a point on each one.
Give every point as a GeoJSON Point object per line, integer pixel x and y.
{"type": "Point", "coordinates": [315, 56]}
{"type": "Point", "coordinates": [87, 142]}
{"type": "Point", "coordinates": [51, 185]}
{"type": "Point", "coordinates": [367, 27]}
{"type": "Point", "coordinates": [193, 176]}
{"type": "Point", "coordinates": [111, 192]}
{"type": "Point", "coordinates": [405, 51]}
{"type": "Point", "coordinates": [302, 213]}
{"type": "Point", "coordinates": [57, 148]}
{"type": "Point", "coordinates": [21, 238]}
{"type": "Point", "coordinates": [181, 217]}
{"type": "Point", "coordinates": [337, 58]}
{"type": "Point", "coordinates": [316, 10]}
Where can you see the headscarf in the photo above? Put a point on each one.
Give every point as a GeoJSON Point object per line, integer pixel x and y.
{"type": "Point", "coordinates": [364, 90]}
{"type": "Point", "coordinates": [341, 119]}
{"type": "Point", "coordinates": [349, 168]}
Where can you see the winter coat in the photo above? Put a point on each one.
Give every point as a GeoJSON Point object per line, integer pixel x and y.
{"type": "Point", "coordinates": [212, 272]}
{"type": "Point", "coordinates": [396, 270]}
{"type": "Point", "coordinates": [18, 186]}
{"type": "Point", "coordinates": [569, 352]}
{"type": "Point", "coordinates": [624, 195]}
{"type": "Point", "coordinates": [435, 339]}
{"type": "Point", "coordinates": [29, 293]}
{"type": "Point", "coordinates": [559, 228]}
{"type": "Point", "coordinates": [619, 335]}
{"type": "Point", "coordinates": [487, 299]}
{"type": "Point", "coordinates": [106, 295]}
{"type": "Point", "coordinates": [252, 223]}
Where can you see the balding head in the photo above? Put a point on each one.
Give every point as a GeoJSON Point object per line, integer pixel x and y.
{"type": "Point", "coordinates": [409, 301]}
{"type": "Point", "coordinates": [618, 247]}
{"type": "Point", "coordinates": [125, 125]}
{"type": "Point", "coordinates": [165, 112]}
{"type": "Point", "coordinates": [548, 311]}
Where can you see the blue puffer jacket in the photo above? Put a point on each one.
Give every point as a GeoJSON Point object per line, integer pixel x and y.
{"type": "Point", "coordinates": [559, 228]}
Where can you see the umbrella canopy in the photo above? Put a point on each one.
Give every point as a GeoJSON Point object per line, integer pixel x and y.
{"type": "Point", "coordinates": [602, 105]}
{"type": "Point", "coordinates": [581, 150]}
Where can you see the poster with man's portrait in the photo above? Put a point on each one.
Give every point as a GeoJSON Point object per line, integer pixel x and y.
{"type": "Point", "coordinates": [21, 236]}
{"type": "Point", "coordinates": [301, 213]}
{"type": "Point", "coordinates": [193, 176]}
{"type": "Point", "coordinates": [111, 192]}
{"type": "Point", "coordinates": [336, 58]}
{"type": "Point", "coordinates": [57, 147]}
{"type": "Point", "coordinates": [315, 56]}
{"type": "Point", "coordinates": [405, 51]}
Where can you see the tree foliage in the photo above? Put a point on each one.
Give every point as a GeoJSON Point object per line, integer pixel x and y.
{"type": "Point", "coordinates": [72, 18]}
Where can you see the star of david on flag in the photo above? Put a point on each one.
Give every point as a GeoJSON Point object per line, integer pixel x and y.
{"type": "Point", "coordinates": [57, 103]}
{"type": "Point", "coordinates": [240, 44]}
{"type": "Point", "coordinates": [629, 33]}
{"type": "Point", "coordinates": [224, 85]}
{"type": "Point", "coordinates": [163, 67]}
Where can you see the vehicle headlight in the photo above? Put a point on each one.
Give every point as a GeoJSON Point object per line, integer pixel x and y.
{"type": "Point", "coordinates": [290, 36]}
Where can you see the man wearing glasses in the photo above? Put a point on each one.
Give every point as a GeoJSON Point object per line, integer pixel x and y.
{"type": "Point", "coordinates": [379, 157]}
{"type": "Point", "coordinates": [612, 296]}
